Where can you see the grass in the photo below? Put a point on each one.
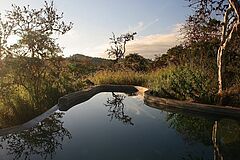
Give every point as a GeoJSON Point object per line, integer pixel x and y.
{"type": "Point", "coordinates": [185, 83]}
{"type": "Point", "coordinates": [120, 77]}
{"type": "Point", "coordinates": [19, 105]}
{"type": "Point", "coordinates": [182, 83]}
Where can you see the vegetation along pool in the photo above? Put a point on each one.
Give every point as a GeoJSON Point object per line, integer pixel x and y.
{"type": "Point", "coordinates": [112, 126]}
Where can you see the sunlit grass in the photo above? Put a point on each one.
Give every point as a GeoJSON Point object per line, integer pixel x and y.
{"type": "Point", "coordinates": [120, 77]}
{"type": "Point", "coordinates": [183, 83]}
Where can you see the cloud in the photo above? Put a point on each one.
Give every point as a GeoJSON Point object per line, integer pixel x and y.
{"type": "Point", "coordinates": [147, 46]}
{"type": "Point", "coordinates": [140, 27]}
{"type": "Point", "coordinates": [151, 45]}
{"type": "Point", "coordinates": [155, 44]}
{"type": "Point", "coordinates": [136, 28]}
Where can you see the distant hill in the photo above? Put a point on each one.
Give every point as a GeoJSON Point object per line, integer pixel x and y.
{"type": "Point", "coordinates": [83, 65]}
{"type": "Point", "coordinates": [92, 60]}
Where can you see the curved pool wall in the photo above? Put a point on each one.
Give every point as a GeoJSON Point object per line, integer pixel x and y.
{"type": "Point", "coordinates": [190, 107]}
{"type": "Point", "coordinates": [72, 99]}
{"type": "Point", "coordinates": [29, 124]}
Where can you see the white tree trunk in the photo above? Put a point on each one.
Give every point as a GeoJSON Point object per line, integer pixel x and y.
{"type": "Point", "coordinates": [226, 37]}
{"type": "Point", "coordinates": [219, 64]}
{"type": "Point", "coordinates": [221, 49]}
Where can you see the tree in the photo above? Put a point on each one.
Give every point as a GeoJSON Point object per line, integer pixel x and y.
{"type": "Point", "coordinates": [30, 63]}
{"type": "Point", "coordinates": [136, 63]}
{"type": "Point", "coordinates": [175, 56]}
{"type": "Point", "coordinates": [5, 31]}
{"type": "Point", "coordinates": [204, 30]}
{"type": "Point", "coordinates": [36, 29]}
{"type": "Point", "coordinates": [118, 45]}
{"type": "Point", "coordinates": [230, 11]}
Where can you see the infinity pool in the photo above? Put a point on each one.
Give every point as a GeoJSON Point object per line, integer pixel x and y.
{"type": "Point", "coordinates": [114, 126]}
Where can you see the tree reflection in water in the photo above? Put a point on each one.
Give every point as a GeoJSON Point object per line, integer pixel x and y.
{"type": "Point", "coordinates": [116, 109]}
{"type": "Point", "coordinates": [222, 134]}
{"type": "Point", "coordinates": [192, 129]}
{"type": "Point", "coordinates": [43, 140]}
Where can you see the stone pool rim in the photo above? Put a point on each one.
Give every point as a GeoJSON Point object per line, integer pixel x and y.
{"type": "Point", "coordinates": [185, 106]}
{"type": "Point", "coordinates": [72, 99]}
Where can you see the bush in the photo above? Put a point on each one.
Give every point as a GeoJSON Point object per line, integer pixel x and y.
{"type": "Point", "coordinates": [184, 83]}
{"type": "Point", "coordinates": [137, 63]}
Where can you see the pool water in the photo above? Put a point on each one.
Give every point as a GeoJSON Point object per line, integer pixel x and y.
{"type": "Point", "coordinates": [114, 126]}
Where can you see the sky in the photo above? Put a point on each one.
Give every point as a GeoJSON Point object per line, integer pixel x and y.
{"type": "Point", "coordinates": [156, 22]}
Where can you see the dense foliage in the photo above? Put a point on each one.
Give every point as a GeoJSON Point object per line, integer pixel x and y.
{"type": "Point", "coordinates": [32, 69]}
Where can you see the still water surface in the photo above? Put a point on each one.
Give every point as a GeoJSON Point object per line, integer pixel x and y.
{"type": "Point", "coordinates": [116, 126]}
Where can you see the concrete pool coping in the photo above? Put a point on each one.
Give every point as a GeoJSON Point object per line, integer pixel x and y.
{"type": "Point", "coordinates": [30, 123]}
{"type": "Point", "coordinates": [72, 99]}
{"type": "Point", "coordinates": [177, 105]}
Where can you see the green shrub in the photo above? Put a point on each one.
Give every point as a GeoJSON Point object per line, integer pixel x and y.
{"type": "Point", "coordinates": [184, 83]}
{"type": "Point", "coordinates": [136, 62]}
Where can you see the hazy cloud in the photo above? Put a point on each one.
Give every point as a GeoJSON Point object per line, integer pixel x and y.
{"type": "Point", "coordinates": [141, 26]}
{"type": "Point", "coordinates": [147, 46]}
{"type": "Point", "coordinates": [150, 45]}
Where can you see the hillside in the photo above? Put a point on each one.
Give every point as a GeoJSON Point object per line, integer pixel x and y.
{"type": "Point", "coordinates": [91, 60]}
{"type": "Point", "coordinates": [83, 65]}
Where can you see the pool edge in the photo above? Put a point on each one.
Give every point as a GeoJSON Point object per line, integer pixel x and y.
{"type": "Point", "coordinates": [69, 100]}
{"type": "Point", "coordinates": [29, 124]}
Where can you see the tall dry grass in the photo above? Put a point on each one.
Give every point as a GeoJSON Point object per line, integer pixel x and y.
{"type": "Point", "coordinates": [120, 77]}
{"type": "Point", "coordinates": [183, 83]}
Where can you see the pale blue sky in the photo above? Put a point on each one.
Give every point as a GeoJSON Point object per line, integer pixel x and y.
{"type": "Point", "coordinates": [156, 22]}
